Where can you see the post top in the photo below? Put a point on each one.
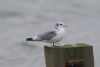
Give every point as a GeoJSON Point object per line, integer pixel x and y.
{"type": "Point", "coordinates": [70, 45]}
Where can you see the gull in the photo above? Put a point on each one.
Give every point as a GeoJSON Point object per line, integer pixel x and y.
{"type": "Point", "coordinates": [54, 36]}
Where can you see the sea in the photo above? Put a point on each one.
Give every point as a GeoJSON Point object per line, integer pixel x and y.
{"type": "Point", "coordinates": [20, 19]}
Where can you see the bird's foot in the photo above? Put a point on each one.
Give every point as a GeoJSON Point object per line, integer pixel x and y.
{"type": "Point", "coordinates": [53, 44]}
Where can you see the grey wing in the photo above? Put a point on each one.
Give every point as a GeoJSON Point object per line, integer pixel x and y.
{"type": "Point", "coordinates": [47, 35]}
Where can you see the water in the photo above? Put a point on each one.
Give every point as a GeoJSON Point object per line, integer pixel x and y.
{"type": "Point", "coordinates": [23, 18]}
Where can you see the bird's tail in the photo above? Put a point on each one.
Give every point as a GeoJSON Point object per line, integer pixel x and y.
{"type": "Point", "coordinates": [35, 38]}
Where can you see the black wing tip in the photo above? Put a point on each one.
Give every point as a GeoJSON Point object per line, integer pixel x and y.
{"type": "Point", "coordinates": [29, 39]}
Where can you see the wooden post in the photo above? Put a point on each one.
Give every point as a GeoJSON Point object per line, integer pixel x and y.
{"type": "Point", "coordinates": [79, 55]}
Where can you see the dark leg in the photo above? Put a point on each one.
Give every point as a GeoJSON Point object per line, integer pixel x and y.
{"type": "Point", "coordinates": [53, 44]}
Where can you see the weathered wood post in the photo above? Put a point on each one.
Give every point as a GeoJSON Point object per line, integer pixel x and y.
{"type": "Point", "coordinates": [79, 55]}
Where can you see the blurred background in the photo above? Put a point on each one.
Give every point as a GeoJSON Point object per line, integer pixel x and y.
{"type": "Point", "coordinates": [20, 19]}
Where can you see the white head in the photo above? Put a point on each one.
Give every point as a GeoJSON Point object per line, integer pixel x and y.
{"type": "Point", "coordinates": [59, 25]}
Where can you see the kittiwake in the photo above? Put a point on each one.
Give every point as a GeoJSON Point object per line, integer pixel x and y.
{"type": "Point", "coordinates": [54, 36]}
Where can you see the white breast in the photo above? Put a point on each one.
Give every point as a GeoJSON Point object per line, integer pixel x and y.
{"type": "Point", "coordinates": [60, 35]}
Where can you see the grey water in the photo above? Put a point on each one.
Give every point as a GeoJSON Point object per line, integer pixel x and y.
{"type": "Point", "coordinates": [20, 19]}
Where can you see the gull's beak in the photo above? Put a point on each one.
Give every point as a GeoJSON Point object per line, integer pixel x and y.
{"type": "Point", "coordinates": [65, 25]}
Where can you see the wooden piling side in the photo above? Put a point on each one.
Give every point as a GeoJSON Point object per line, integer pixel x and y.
{"type": "Point", "coordinates": [62, 56]}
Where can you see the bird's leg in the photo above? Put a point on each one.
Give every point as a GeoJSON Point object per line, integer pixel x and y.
{"type": "Point", "coordinates": [53, 44]}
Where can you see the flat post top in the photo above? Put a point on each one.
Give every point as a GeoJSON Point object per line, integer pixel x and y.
{"type": "Point", "coordinates": [70, 45]}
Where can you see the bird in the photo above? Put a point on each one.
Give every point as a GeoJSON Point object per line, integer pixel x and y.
{"type": "Point", "coordinates": [53, 36]}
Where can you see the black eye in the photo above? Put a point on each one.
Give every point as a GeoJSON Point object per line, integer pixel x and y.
{"type": "Point", "coordinates": [57, 24]}
{"type": "Point", "coordinates": [60, 24]}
